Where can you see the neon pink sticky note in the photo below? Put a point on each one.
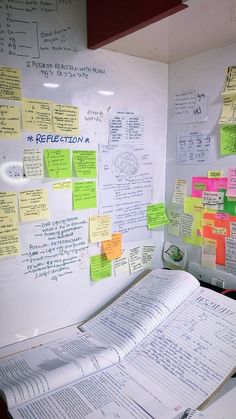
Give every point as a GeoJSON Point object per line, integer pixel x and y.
{"type": "Point", "coordinates": [200, 184]}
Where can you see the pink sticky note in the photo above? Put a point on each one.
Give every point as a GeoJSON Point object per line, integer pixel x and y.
{"type": "Point", "coordinates": [231, 185]}
{"type": "Point", "coordinates": [200, 184]}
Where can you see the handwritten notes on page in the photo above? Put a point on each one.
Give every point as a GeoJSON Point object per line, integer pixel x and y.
{"type": "Point", "coordinates": [187, 225]}
{"type": "Point", "coordinates": [190, 106]}
{"type": "Point", "coordinates": [93, 119]}
{"type": "Point", "coordinates": [9, 122]}
{"type": "Point", "coordinates": [37, 115]}
{"type": "Point", "coordinates": [230, 82]}
{"type": "Point", "coordinates": [84, 195]}
{"type": "Point", "coordinates": [100, 267]}
{"type": "Point", "coordinates": [33, 205]}
{"type": "Point", "coordinates": [100, 228]}
{"type": "Point", "coordinates": [8, 208]}
{"type": "Point", "coordinates": [213, 200]}
{"type": "Point", "coordinates": [135, 259]}
{"type": "Point", "coordinates": [228, 115]}
{"type": "Point", "coordinates": [33, 163]}
{"type": "Point", "coordinates": [9, 239]}
{"type": "Point", "coordinates": [85, 163]}
{"type": "Point", "coordinates": [66, 119]}
{"type": "Point", "coordinates": [58, 163]}
{"type": "Point", "coordinates": [113, 248]}
{"type": "Point", "coordinates": [10, 84]}
{"type": "Point", "coordinates": [125, 189]}
{"type": "Point", "coordinates": [194, 148]}
{"type": "Point", "coordinates": [228, 140]}
{"type": "Point", "coordinates": [121, 265]}
{"type": "Point", "coordinates": [156, 215]}
{"type": "Point", "coordinates": [61, 186]}
{"type": "Point", "coordinates": [180, 191]}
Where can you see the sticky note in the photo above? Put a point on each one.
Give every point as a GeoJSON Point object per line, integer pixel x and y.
{"type": "Point", "coordinates": [60, 186]}
{"type": "Point", "coordinates": [33, 205]}
{"type": "Point", "coordinates": [66, 119]}
{"type": "Point", "coordinates": [228, 140]}
{"type": "Point", "coordinates": [33, 163]}
{"type": "Point", "coordinates": [180, 191]}
{"type": "Point", "coordinates": [135, 259]}
{"type": "Point", "coordinates": [229, 204]}
{"type": "Point", "coordinates": [113, 248]}
{"type": "Point", "coordinates": [187, 225]}
{"type": "Point", "coordinates": [233, 229]}
{"type": "Point", "coordinates": [9, 122]}
{"type": "Point", "coordinates": [230, 82]}
{"type": "Point", "coordinates": [84, 195]}
{"type": "Point", "coordinates": [228, 111]}
{"type": "Point", "coordinates": [208, 256]}
{"type": "Point", "coordinates": [230, 255]}
{"type": "Point", "coordinates": [148, 252]}
{"type": "Point", "coordinates": [85, 163]}
{"type": "Point", "coordinates": [174, 222]}
{"type": "Point", "coordinates": [58, 163]}
{"type": "Point", "coordinates": [37, 115]}
{"type": "Point", "coordinates": [9, 239]}
{"type": "Point", "coordinates": [121, 265]}
{"type": "Point", "coordinates": [100, 228]}
{"type": "Point", "coordinates": [156, 215]}
{"type": "Point", "coordinates": [200, 184]}
{"type": "Point", "coordinates": [214, 174]}
{"type": "Point", "coordinates": [100, 267]}
{"type": "Point", "coordinates": [8, 207]}
{"type": "Point", "coordinates": [10, 84]}
{"type": "Point", "coordinates": [213, 200]}
{"type": "Point", "coordinates": [231, 185]}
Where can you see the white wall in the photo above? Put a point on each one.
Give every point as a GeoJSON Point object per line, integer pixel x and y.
{"type": "Point", "coordinates": [206, 74]}
{"type": "Point", "coordinates": [31, 306]}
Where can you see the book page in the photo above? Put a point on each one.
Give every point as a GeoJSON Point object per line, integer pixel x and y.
{"type": "Point", "coordinates": [134, 315]}
{"type": "Point", "coordinates": [29, 374]}
{"type": "Point", "coordinates": [192, 352]}
{"type": "Point", "coordinates": [106, 394]}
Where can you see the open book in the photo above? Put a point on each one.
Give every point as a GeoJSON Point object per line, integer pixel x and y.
{"type": "Point", "coordinates": [164, 345]}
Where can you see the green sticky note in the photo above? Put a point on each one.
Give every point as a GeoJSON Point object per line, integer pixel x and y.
{"type": "Point", "coordinates": [58, 163]}
{"type": "Point", "coordinates": [156, 215]}
{"type": "Point", "coordinates": [85, 163]}
{"type": "Point", "coordinates": [228, 139]}
{"type": "Point", "coordinates": [229, 204]}
{"type": "Point", "coordinates": [84, 195]}
{"type": "Point", "coordinates": [100, 267]}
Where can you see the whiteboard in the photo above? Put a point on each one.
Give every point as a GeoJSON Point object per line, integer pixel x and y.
{"type": "Point", "coordinates": [47, 42]}
{"type": "Point", "coordinates": [204, 73]}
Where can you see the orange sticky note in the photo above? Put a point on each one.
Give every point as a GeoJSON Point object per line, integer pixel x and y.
{"type": "Point", "coordinates": [112, 248]}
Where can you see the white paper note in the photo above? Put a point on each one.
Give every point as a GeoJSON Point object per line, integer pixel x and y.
{"type": "Point", "coordinates": [194, 148]}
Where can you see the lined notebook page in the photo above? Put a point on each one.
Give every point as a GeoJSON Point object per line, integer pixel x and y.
{"type": "Point", "coordinates": [192, 352]}
{"type": "Point", "coordinates": [127, 321]}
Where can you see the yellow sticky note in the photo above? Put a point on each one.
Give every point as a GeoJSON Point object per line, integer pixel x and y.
{"type": "Point", "coordinates": [10, 84]}
{"type": "Point", "coordinates": [230, 82]}
{"type": "Point", "coordinates": [214, 174]}
{"type": "Point", "coordinates": [9, 122]}
{"type": "Point", "coordinates": [66, 119]}
{"type": "Point", "coordinates": [194, 206]}
{"type": "Point", "coordinates": [210, 242]}
{"type": "Point", "coordinates": [37, 115]}
{"type": "Point", "coordinates": [9, 239]}
{"type": "Point", "coordinates": [33, 205]}
{"type": "Point", "coordinates": [33, 163]}
{"type": "Point", "coordinates": [59, 186]}
{"type": "Point", "coordinates": [113, 248]}
{"type": "Point", "coordinates": [8, 207]}
{"type": "Point", "coordinates": [221, 231]}
{"type": "Point", "coordinates": [100, 267]}
{"type": "Point", "coordinates": [100, 228]}
{"type": "Point", "coordinates": [228, 111]}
